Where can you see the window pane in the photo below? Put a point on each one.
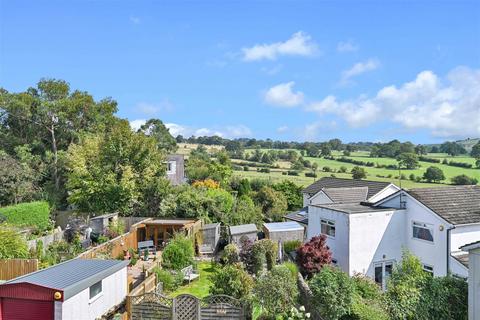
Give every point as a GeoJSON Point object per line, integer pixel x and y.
{"type": "Point", "coordinates": [378, 274]}
{"type": "Point", "coordinates": [422, 233]}
{"type": "Point", "coordinates": [95, 289]}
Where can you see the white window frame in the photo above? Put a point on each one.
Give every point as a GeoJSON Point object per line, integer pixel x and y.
{"type": "Point", "coordinates": [329, 224]}
{"type": "Point", "coordinates": [98, 295]}
{"type": "Point", "coordinates": [428, 268]}
{"type": "Point", "coordinates": [423, 225]}
{"type": "Point", "coordinates": [383, 265]}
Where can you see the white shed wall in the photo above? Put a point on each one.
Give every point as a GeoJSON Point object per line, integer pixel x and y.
{"type": "Point", "coordinates": [114, 291]}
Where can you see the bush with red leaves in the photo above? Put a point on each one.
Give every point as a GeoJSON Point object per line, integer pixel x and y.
{"type": "Point", "coordinates": [312, 255]}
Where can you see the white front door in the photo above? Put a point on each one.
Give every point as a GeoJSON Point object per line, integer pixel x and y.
{"type": "Point", "coordinates": [383, 271]}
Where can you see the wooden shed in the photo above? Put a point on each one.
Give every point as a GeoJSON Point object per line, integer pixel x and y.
{"type": "Point", "coordinates": [248, 230]}
{"type": "Point", "coordinates": [162, 230]}
{"type": "Point", "coordinates": [210, 238]}
{"type": "Point", "coordinates": [284, 231]}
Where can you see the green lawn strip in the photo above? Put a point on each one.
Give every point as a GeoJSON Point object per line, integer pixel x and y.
{"type": "Point", "coordinates": [200, 286]}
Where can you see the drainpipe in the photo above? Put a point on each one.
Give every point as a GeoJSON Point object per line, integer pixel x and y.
{"type": "Point", "coordinates": [448, 248]}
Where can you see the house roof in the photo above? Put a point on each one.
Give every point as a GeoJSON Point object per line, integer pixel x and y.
{"type": "Point", "coordinates": [471, 246]}
{"type": "Point", "coordinates": [72, 276]}
{"type": "Point", "coordinates": [462, 258]}
{"type": "Point", "coordinates": [300, 216]}
{"type": "Point", "coordinates": [456, 204]}
{"type": "Point", "coordinates": [244, 228]}
{"type": "Point", "coordinates": [352, 208]}
{"type": "Point", "coordinates": [374, 187]}
{"type": "Point", "coordinates": [347, 195]}
{"type": "Point", "coordinates": [283, 226]}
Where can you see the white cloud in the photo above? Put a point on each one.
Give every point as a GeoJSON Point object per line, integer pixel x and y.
{"type": "Point", "coordinates": [312, 131]}
{"type": "Point", "coordinates": [283, 95]}
{"type": "Point", "coordinates": [299, 44]}
{"type": "Point", "coordinates": [282, 129]}
{"type": "Point", "coordinates": [448, 107]}
{"type": "Point", "coordinates": [347, 46]}
{"type": "Point", "coordinates": [148, 108]}
{"type": "Point", "coordinates": [135, 20]}
{"type": "Point", "coordinates": [234, 131]}
{"type": "Point", "coordinates": [136, 124]}
{"type": "Point", "coordinates": [272, 71]}
{"type": "Point", "coordinates": [359, 68]}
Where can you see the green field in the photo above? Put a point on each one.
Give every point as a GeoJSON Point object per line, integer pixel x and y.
{"type": "Point", "coordinates": [376, 174]}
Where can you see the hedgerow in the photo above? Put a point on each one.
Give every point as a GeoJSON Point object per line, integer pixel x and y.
{"type": "Point", "coordinates": [32, 214]}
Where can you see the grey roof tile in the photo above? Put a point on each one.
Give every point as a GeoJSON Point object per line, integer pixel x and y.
{"type": "Point", "coordinates": [456, 204]}
{"type": "Point", "coordinates": [374, 187]}
{"type": "Point", "coordinates": [347, 195]}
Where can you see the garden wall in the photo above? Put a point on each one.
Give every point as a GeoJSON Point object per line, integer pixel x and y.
{"type": "Point", "coordinates": [57, 235]}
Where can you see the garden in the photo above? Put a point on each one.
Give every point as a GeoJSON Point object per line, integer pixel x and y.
{"type": "Point", "coordinates": [310, 285]}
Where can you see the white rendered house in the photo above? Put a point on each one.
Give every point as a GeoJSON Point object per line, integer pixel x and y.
{"type": "Point", "coordinates": [473, 250]}
{"type": "Point", "coordinates": [432, 223]}
{"type": "Point", "coordinates": [329, 190]}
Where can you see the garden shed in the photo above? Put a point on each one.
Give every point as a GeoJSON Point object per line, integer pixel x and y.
{"type": "Point", "coordinates": [284, 231]}
{"type": "Point", "coordinates": [100, 223]}
{"type": "Point", "coordinates": [75, 289]}
{"type": "Point", "coordinates": [248, 230]}
{"type": "Point", "coordinates": [210, 238]}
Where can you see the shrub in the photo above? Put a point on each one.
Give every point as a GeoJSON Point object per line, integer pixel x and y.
{"type": "Point", "coordinates": [291, 245]}
{"type": "Point", "coordinates": [411, 177]}
{"type": "Point", "coordinates": [310, 175]}
{"type": "Point", "coordinates": [276, 291]}
{"type": "Point", "coordinates": [230, 254]}
{"type": "Point", "coordinates": [246, 254]}
{"type": "Point", "coordinates": [115, 228]}
{"type": "Point", "coordinates": [326, 169]}
{"type": "Point", "coordinates": [359, 173]}
{"type": "Point", "coordinates": [460, 164]}
{"type": "Point", "coordinates": [313, 255]}
{"type": "Point", "coordinates": [293, 269]}
{"type": "Point", "coordinates": [32, 214]}
{"type": "Point", "coordinates": [332, 293]}
{"type": "Point", "coordinates": [366, 287]}
{"type": "Point", "coordinates": [342, 169]}
{"type": "Point", "coordinates": [178, 253]}
{"type": "Point", "coordinates": [167, 279]}
{"type": "Point", "coordinates": [426, 159]}
{"type": "Point", "coordinates": [433, 174]}
{"type": "Point", "coordinates": [405, 287]}
{"type": "Point", "coordinates": [263, 170]}
{"type": "Point", "coordinates": [366, 310]}
{"type": "Point", "coordinates": [464, 180]}
{"type": "Point", "coordinates": [245, 168]}
{"type": "Point", "coordinates": [443, 298]}
{"type": "Point", "coordinates": [293, 173]}
{"type": "Point", "coordinates": [231, 280]}
{"type": "Point", "coordinates": [12, 244]}
{"type": "Point", "coordinates": [264, 251]}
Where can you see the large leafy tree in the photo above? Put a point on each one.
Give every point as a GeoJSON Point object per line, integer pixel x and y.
{"type": "Point", "coordinates": [156, 129]}
{"type": "Point", "coordinates": [112, 171]}
{"type": "Point", "coordinates": [16, 181]}
{"type": "Point", "coordinates": [273, 203]}
{"type": "Point", "coordinates": [48, 118]}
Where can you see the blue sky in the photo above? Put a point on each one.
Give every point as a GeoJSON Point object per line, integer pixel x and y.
{"type": "Point", "coordinates": [288, 70]}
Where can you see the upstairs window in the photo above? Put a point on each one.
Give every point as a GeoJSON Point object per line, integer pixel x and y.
{"type": "Point", "coordinates": [422, 231]}
{"type": "Point", "coordinates": [328, 227]}
{"type": "Point", "coordinates": [95, 289]}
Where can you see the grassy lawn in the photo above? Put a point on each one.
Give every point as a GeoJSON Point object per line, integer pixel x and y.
{"type": "Point", "coordinates": [199, 287]}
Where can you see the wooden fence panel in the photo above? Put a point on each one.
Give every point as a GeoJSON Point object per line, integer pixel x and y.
{"type": "Point", "coordinates": [12, 268]}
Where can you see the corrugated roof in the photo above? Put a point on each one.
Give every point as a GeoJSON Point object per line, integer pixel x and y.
{"type": "Point", "coordinates": [374, 187]}
{"type": "Point", "coordinates": [244, 228]}
{"type": "Point", "coordinates": [347, 195]}
{"type": "Point", "coordinates": [456, 204]}
{"type": "Point", "coordinates": [283, 226]}
{"type": "Point", "coordinates": [73, 275]}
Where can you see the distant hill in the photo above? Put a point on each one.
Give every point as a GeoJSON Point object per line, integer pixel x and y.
{"type": "Point", "coordinates": [466, 143]}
